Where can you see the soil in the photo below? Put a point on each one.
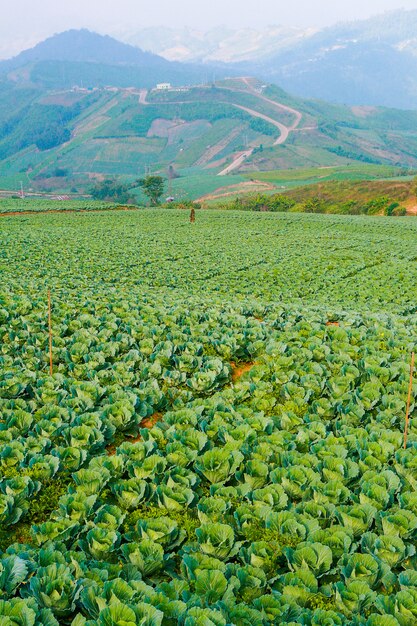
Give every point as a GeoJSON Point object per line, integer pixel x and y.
{"type": "Point", "coordinates": [411, 206]}
{"type": "Point", "coordinates": [238, 369]}
{"type": "Point", "coordinates": [231, 190]}
{"type": "Point", "coordinates": [363, 111]}
{"type": "Point", "coordinates": [148, 422]}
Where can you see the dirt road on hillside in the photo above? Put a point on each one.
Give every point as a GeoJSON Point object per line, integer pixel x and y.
{"type": "Point", "coordinates": [283, 107]}
{"type": "Point", "coordinates": [284, 130]}
{"type": "Point", "coordinates": [143, 93]}
{"type": "Point", "coordinates": [240, 157]}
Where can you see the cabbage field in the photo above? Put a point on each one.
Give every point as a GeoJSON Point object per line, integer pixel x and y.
{"type": "Point", "coordinates": [35, 205]}
{"type": "Point", "coordinates": [221, 440]}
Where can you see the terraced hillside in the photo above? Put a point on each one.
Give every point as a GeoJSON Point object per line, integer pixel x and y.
{"type": "Point", "coordinates": [63, 140]}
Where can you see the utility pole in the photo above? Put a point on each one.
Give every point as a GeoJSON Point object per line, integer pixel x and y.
{"type": "Point", "coordinates": [22, 193]}
{"type": "Point", "coordinates": [169, 183]}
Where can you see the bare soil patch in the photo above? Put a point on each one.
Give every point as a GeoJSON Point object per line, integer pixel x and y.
{"type": "Point", "coordinates": [231, 190]}
{"type": "Point", "coordinates": [411, 206]}
{"type": "Point", "coordinates": [363, 111]}
{"type": "Point", "coordinates": [148, 422]}
{"type": "Point", "coordinates": [238, 369]}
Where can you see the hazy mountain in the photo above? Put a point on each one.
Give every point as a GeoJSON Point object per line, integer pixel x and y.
{"type": "Point", "coordinates": [366, 62]}
{"type": "Point", "coordinates": [84, 57]}
{"type": "Point", "coordinates": [371, 61]}
{"type": "Point", "coordinates": [397, 29]}
{"type": "Point", "coordinates": [221, 44]}
{"type": "Point", "coordinates": [352, 73]}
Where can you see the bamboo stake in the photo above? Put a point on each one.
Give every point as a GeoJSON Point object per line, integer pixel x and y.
{"type": "Point", "coordinates": [410, 390]}
{"type": "Point", "coordinates": [50, 332]}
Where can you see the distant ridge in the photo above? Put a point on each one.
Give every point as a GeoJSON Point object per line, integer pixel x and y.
{"type": "Point", "coordinates": [76, 56]}
{"type": "Point", "coordinates": [85, 46]}
{"type": "Point", "coordinates": [370, 62]}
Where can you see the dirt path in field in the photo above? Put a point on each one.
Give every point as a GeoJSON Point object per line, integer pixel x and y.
{"type": "Point", "coordinates": [238, 370]}
{"type": "Point", "coordinates": [148, 422]}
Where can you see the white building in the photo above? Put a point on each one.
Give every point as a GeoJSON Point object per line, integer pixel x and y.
{"type": "Point", "coordinates": [163, 86]}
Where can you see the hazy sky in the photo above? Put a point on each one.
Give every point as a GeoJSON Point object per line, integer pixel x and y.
{"type": "Point", "coordinates": [24, 22]}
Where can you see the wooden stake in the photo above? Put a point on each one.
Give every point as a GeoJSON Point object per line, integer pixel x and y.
{"type": "Point", "coordinates": [50, 332]}
{"type": "Point", "coordinates": [410, 391]}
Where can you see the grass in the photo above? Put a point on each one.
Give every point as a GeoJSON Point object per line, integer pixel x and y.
{"type": "Point", "coordinates": [358, 191]}
{"type": "Point", "coordinates": [337, 173]}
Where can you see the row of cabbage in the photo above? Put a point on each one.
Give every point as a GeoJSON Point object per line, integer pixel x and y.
{"type": "Point", "coordinates": [337, 262]}
{"type": "Point", "coordinates": [37, 204]}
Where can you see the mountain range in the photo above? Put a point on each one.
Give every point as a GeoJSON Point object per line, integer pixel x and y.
{"type": "Point", "coordinates": [395, 28]}
{"type": "Point", "coordinates": [222, 44]}
{"type": "Point", "coordinates": [370, 61]}
{"type": "Point", "coordinates": [80, 106]}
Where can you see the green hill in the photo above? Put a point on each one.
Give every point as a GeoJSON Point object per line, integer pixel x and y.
{"type": "Point", "coordinates": [57, 140]}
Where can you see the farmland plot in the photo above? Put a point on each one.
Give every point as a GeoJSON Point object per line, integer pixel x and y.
{"type": "Point", "coordinates": [221, 441]}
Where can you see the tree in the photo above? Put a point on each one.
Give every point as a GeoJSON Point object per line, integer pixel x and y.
{"type": "Point", "coordinates": [110, 190]}
{"type": "Point", "coordinates": [153, 187]}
